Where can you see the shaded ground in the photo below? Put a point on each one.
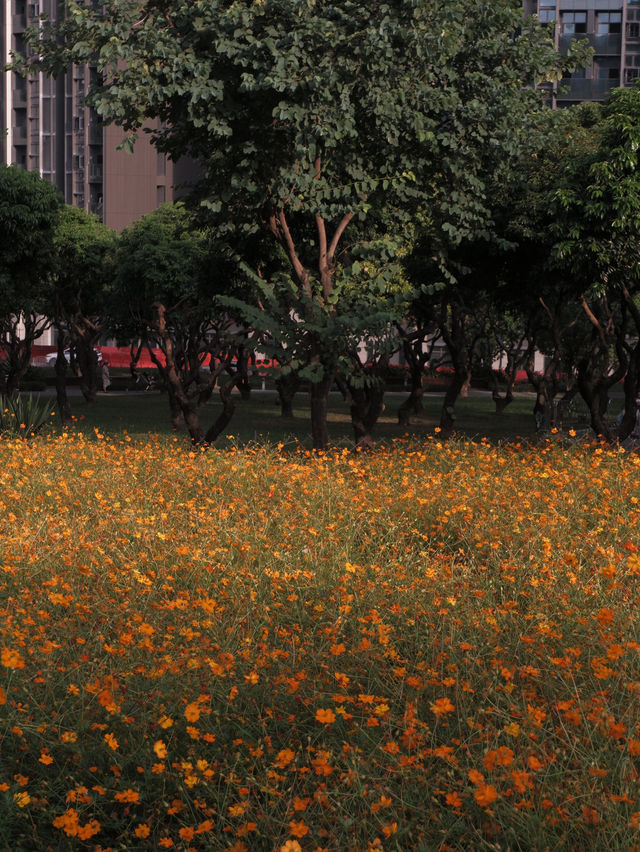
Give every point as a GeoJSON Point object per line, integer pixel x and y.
{"type": "Point", "coordinates": [259, 419]}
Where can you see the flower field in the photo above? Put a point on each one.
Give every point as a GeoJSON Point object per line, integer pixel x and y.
{"type": "Point", "coordinates": [427, 648]}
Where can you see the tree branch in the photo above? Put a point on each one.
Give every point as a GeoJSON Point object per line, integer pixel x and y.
{"type": "Point", "coordinates": [287, 241]}
{"type": "Point", "coordinates": [336, 237]}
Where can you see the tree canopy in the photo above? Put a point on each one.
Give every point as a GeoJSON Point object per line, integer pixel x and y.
{"type": "Point", "coordinates": [29, 209]}
{"type": "Point", "coordinates": [325, 124]}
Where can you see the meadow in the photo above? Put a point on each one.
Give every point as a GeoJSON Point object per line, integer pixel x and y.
{"type": "Point", "coordinates": [431, 647]}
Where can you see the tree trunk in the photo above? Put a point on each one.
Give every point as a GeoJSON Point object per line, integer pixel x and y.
{"type": "Point", "coordinates": [501, 402]}
{"type": "Point", "coordinates": [64, 409]}
{"type": "Point", "coordinates": [192, 422]}
{"type": "Point", "coordinates": [413, 403]}
{"type": "Point", "coordinates": [177, 417]}
{"type": "Point", "coordinates": [595, 394]}
{"type": "Point", "coordinates": [319, 408]}
{"type": "Point", "coordinates": [135, 351]}
{"type": "Point", "coordinates": [243, 384]}
{"type": "Point", "coordinates": [12, 379]}
{"type": "Point", "coordinates": [448, 416]}
{"type": "Point", "coordinates": [562, 405]}
{"type": "Point", "coordinates": [631, 390]}
{"type": "Point", "coordinates": [287, 385]}
{"type": "Point", "coordinates": [88, 369]}
{"type": "Point", "coordinates": [366, 407]}
{"type": "Point", "coordinates": [228, 408]}
{"type": "Point", "coordinates": [464, 390]}
{"type": "Point", "coordinates": [17, 364]}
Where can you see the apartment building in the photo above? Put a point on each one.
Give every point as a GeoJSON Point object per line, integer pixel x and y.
{"type": "Point", "coordinates": [612, 29]}
{"type": "Point", "coordinates": [49, 128]}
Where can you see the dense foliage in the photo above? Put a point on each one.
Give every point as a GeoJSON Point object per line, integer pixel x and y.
{"type": "Point", "coordinates": [324, 125]}
{"type": "Point", "coordinates": [28, 214]}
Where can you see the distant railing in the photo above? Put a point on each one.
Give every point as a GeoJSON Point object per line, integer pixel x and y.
{"type": "Point", "coordinates": [587, 90]}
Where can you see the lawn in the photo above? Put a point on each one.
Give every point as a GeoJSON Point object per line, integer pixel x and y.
{"type": "Point", "coordinates": [434, 646]}
{"type": "Point", "coordinates": [259, 420]}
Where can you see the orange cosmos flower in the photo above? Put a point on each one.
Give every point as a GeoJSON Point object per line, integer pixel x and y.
{"type": "Point", "coordinates": [442, 706]}
{"type": "Point", "coordinates": [284, 758]}
{"type": "Point", "coordinates": [21, 799]}
{"type": "Point", "coordinates": [453, 800]}
{"type": "Point", "coordinates": [160, 749]}
{"type": "Point", "coordinates": [130, 796]}
{"type": "Point", "coordinates": [475, 777]}
{"type": "Point", "coordinates": [192, 712]}
{"type": "Point", "coordinates": [11, 659]}
{"type": "Point", "coordinates": [485, 795]}
{"type": "Point", "coordinates": [298, 829]}
{"type": "Point", "coordinates": [325, 716]}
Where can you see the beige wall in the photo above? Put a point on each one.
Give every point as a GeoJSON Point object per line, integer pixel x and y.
{"type": "Point", "coordinates": [133, 183]}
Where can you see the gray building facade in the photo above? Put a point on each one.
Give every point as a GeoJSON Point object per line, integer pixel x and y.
{"type": "Point", "coordinates": [612, 29]}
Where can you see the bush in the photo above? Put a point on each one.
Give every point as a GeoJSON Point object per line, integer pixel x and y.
{"type": "Point", "coordinates": [23, 416]}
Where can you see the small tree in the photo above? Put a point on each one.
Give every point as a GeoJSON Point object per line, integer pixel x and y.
{"type": "Point", "coordinates": [84, 255]}
{"type": "Point", "coordinates": [168, 273]}
{"type": "Point", "coordinates": [29, 208]}
{"type": "Point", "coordinates": [597, 233]}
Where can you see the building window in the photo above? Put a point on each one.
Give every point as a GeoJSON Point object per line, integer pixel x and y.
{"type": "Point", "coordinates": [631, 75]}
{"type": "Point", "coordinates": [573, 22]}
{"type": "Point", "coordinates": [607, 68]}
{"type": "Point", "coordinates": [608, 23]}
{"type": "Point", "coordinates": [161, 195]}
{"type": "Point", "coordinates": [546, 16]}
{"type": "Point", "coordinates": [633, 29]}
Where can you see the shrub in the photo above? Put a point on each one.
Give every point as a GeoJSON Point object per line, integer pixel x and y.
{"type": "Point", "coordinates": [24, 416]}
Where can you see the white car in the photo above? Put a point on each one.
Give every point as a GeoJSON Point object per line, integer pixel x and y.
{"type": "Point", "coordinates": [51, 357]}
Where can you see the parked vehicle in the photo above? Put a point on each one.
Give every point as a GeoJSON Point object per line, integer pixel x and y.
{"type": "Point", "coordinates": [50, 358]}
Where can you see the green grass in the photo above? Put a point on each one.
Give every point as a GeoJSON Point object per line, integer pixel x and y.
{"type": "Point", "coordinates": [259, 418]}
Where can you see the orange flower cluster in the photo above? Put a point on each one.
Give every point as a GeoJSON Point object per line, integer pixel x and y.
{"type": "Point", "coordinates": [432, 646]}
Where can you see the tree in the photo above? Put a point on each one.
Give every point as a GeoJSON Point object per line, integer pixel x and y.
{"type": "Point", "coordinates": [597, 234]}
{"type": "Point", "coordinates": [29, 209]}
{"type": "Point", "coordinates": [168, 273]}
{"type": "Point", "coordinates": [84, 254]}
{"type": "Point", "coordinates": [319, 122]}
{"type": "Point", "coordinates": [539, 290]}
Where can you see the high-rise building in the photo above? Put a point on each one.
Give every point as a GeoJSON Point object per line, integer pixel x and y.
{"type": "Point", "coordinates": [612, 29]}
{"type": "Point", "coordinates": [49, 128]}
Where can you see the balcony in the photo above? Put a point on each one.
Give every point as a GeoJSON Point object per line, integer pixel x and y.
{"type": "Point", "coordinates": [95, 134]}
{"type": "Point", "coordinates": [604, 45]}
{"type": "Point", "coordinates": [95, 173]}
{"type": "Point", "coordinates": [20, 97]}
{"type": "Point", "coordinates": [587, 90]}
{"type": "Point", "coordinates": [19, 135]}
